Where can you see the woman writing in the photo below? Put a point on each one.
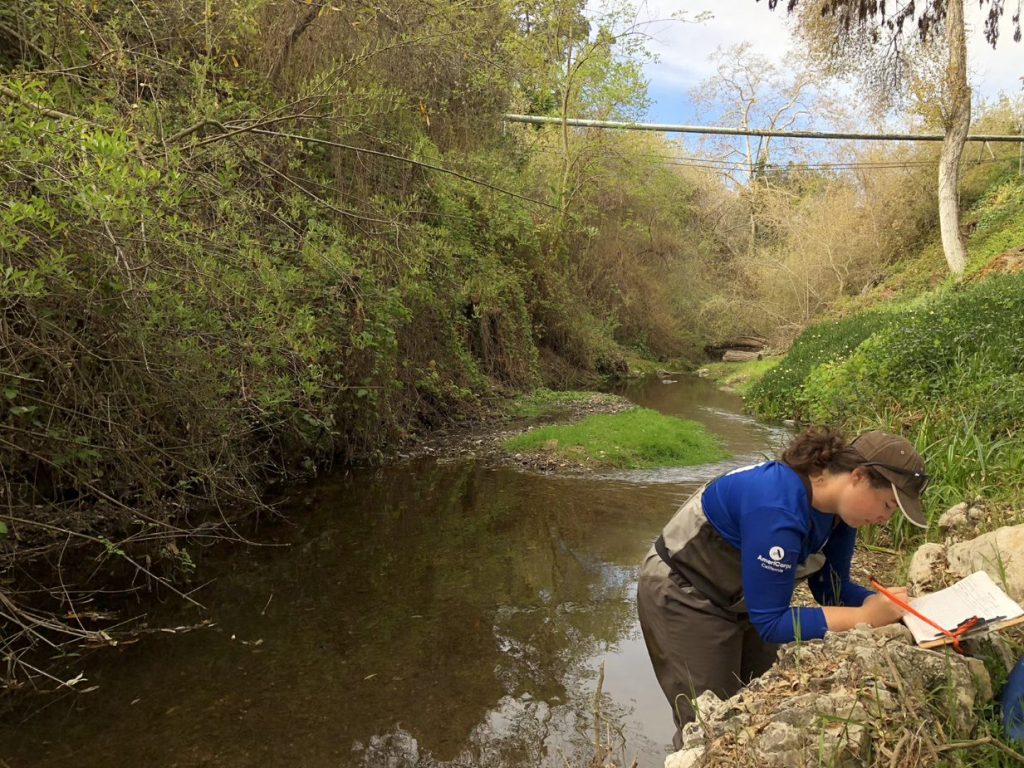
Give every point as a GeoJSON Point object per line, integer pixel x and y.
{"type": "Point", "coordinates": [715, 590]}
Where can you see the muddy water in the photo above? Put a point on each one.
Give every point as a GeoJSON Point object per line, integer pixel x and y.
{"type": "Point", "coordinates": [429, 614]}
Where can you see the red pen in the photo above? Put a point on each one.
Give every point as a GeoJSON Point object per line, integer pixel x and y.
{"type": "Point", "coordinates": [954, 635]}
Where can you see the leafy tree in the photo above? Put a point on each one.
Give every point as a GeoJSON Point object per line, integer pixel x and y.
{"type": "Point", "coordinates": [936, 18]}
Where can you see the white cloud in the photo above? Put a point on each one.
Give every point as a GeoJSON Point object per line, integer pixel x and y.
{"type": "Point", "coordinates": [684, 48]}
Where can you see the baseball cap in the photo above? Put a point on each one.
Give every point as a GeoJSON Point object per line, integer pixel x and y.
{"type": "Point", "coordinates": [895, 459]}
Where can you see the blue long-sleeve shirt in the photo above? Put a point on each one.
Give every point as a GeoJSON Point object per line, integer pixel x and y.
{"type": "Point", "coordinates": [764, 511]}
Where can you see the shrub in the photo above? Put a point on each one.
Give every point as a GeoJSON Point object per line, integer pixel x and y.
{"type": "Point", "coordinates": [777, 394]}
{"type": "Point", "coordinates": [947, 375]}
{"type": "Point", "coordinates": [962, 344]}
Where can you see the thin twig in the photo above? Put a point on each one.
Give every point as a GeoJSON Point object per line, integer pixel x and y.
{"type": "Point", "coordinates": [45, 110]}
{"type": "Point", "coordinates": [984, 741]}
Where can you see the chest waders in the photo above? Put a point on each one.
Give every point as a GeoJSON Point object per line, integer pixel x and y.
{"type": "Point", "coordinates": [693, 613]}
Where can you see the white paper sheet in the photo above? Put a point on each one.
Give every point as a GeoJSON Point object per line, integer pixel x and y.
{"type": "Point", "coordinates": [976, 595]}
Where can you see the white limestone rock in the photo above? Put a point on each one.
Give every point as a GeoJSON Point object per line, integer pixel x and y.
{"type": "Point", "coordinates": [811, 706]}
{"type": "Point", "coordinates": [1000, 553]}
{"type": "Point", "coordinates": [928, 569]}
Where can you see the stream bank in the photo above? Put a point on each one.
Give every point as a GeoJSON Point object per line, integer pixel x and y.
{"type": "Point", "coordinates": [442, 612]}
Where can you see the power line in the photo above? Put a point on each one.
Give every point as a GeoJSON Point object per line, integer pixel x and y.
{"type": "Point", "coordinates": [719, 130]}
{"type": "Point", "coordinates": [714, 163]}
{"type": "Point", "coordinates": [778, 167]}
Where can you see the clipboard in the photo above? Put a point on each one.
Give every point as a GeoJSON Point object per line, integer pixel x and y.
{"type": "Point", "coordinates": [979, 631]}
{"type": "Point", "coordinates": [976, 597]}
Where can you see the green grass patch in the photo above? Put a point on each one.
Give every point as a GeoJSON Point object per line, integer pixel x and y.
{"type": "Point", "coordinates": [740, 377]}
{"type": "Point", "coordinates": [776, 395]}
{"type": "Point", "coordinates": [636, 439]}
{"type": "Point", "coordinates": [948, 376]}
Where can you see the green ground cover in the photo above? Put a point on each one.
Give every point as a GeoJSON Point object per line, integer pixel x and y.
{"type": "Point", "coordinates": [636, 439]}
{"type": "Point", "coordinates": [740, 377]}
{"type": "Point", "coordinates": [942, 367]}
{"type": "Point", "coordinates": [776, 394]}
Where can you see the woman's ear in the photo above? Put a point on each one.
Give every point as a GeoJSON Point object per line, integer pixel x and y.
{"type": "Point", "coordinates": [858, 475]}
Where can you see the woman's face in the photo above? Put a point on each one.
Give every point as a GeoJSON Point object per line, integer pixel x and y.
{"type": "Point", "coordinates": [861, 503]}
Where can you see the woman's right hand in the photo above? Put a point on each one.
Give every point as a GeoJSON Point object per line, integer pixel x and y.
{"type": "Point", "coordinates": [878, 610]}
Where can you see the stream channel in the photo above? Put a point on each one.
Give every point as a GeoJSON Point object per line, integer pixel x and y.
{"type": "Point", "coordinates": [429, 613]}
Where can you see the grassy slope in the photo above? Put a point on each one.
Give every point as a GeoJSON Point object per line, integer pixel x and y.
{"type": "Point", "coordinates": [929, 356]}
{"type": "Point", "coordinates": [739, 377]}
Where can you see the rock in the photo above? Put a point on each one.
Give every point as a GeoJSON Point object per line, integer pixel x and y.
{"type": "Point", "coordinates": [999, 553]}
{"type": "Point", "coordinates": [684, 758]}
{"type": "Point", "coordinates": [841, 701]}
{"type": "Point", "coordinates": [955, 517]}
{"type": "Point", "coordinates": [963, 520]}
{"type": "Point", "coordinates": [927, 569]}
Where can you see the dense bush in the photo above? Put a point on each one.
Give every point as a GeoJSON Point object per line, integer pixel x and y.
{"type": "Point", "coordinates": [778, 394]}
{"type": "Point", "coordinates": [231, 252]}
{"type": "Point", "coordinates": [964, 346]}
{"type": "Point", "coordinates": [948, 375]}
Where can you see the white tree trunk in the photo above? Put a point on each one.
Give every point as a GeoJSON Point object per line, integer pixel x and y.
{"type": "Point", "coordinates": [956, 121]}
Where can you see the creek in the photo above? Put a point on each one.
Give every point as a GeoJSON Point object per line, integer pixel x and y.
{"type": "Point", "coordinates": [429, 613]}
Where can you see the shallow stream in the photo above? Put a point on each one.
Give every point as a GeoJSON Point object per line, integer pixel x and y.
{"type": "Point", "coordinates": [426, 614]}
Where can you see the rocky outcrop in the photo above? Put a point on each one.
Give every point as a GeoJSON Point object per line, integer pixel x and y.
{"type": "Point", "coordinates": [856, 698]}
{"type": "Point", "coordinates": [1000, 553]}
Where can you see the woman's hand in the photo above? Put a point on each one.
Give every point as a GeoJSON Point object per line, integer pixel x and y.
{"type": "Point", "coordinates": [878, 610]}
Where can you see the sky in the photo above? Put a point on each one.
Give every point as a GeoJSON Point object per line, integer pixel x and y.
{"type": "Point", "coordinates": [683, 49]}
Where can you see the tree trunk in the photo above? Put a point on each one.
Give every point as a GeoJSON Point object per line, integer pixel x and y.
{"type": "Point", "coordinates": [740, 356]}
{"type": "Point", "coordinates": [956, 122]}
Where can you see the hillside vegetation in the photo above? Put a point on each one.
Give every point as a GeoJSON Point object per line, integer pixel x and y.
{"type": "Point", "coordinates": [942, 366]}
{"type": "Point", "coordinates": [241, 241]}
{"type": "Point", "coordinates": [244, 239]}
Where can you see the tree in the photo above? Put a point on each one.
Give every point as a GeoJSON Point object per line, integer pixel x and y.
{"type": "Point", "coordinates": [747, 90]}
{"type": "Point", "coordinates": [937, 17]}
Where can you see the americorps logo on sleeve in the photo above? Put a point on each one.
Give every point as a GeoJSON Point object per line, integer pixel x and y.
{"type": "Point", "coordinates": [774, 562]}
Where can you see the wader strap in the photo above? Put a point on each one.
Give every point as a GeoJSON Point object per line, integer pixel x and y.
{"type": "Point", "coordinates": [692, 577]}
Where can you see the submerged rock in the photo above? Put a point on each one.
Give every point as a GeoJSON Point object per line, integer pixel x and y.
{"type": "Point", "coordinates": [846, 700]}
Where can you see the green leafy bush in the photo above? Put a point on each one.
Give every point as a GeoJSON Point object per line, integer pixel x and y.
{"type": "Point", "coordinates": [947, 374]}
{"type": "Point", "coordinates": [965, 344]}
{"type": "Point", "coordinates": [777, 394]}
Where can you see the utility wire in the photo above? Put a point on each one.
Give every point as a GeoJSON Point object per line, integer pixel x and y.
{"type": "Point", "coordinates": [777, 168]}
{"type": "Point", "coordinates": [724, 164]}
{"type": "Point", "coordinates": [722, 131]}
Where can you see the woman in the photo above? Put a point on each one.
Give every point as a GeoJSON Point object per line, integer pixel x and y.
{"type": "Point", "coordinates": [714, 592]}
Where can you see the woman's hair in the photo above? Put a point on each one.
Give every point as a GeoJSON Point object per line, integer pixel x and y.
{"type": "Point", "coordinates": [822, 448]}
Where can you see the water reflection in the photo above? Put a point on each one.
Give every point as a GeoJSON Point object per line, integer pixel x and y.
{"type": "Point", "coordinates": [423, 615]}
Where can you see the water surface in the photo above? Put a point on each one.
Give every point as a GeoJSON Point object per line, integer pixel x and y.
{"type": "Point", "coordinates": [426, 614]}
